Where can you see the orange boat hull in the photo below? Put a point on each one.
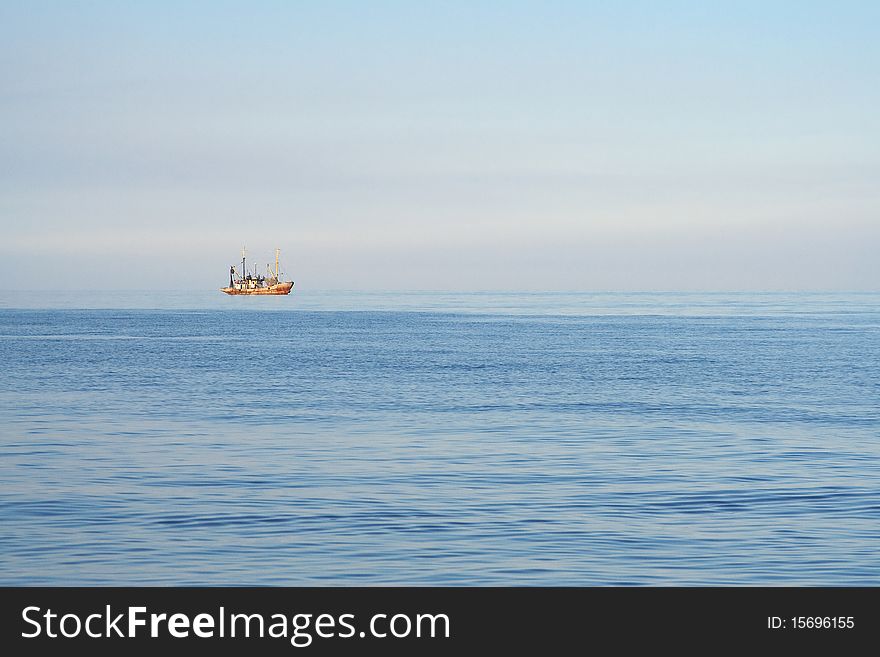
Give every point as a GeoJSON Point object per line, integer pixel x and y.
{"type": "Point", "coordinates": [278, 288]}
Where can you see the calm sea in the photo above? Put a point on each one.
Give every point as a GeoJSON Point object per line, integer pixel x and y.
{"type": "Point", "coordinates": [440, 438]}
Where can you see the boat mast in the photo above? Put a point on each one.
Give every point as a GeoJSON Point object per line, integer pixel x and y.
{"type": "Point", "coordinates": [277, 252]}
{"type": "Point", "coordinates": [243, 270]}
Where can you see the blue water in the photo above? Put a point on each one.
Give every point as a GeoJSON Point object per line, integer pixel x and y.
{"type": "Point", "coordinates": [440, 438]}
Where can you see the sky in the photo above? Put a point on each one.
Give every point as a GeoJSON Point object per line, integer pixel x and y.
{"type": "Point", "coordinates": [441, 145]}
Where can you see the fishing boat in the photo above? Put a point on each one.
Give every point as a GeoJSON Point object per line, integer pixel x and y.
{"type": "Point", "coordinates": [247, 282]}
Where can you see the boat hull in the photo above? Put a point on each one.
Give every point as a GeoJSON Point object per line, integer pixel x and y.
{"type": "Point", "coordinates": [278, 288]}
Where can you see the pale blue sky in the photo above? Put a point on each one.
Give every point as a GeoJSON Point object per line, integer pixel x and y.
{"type": "Point", "coordinates": [541, 145]}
